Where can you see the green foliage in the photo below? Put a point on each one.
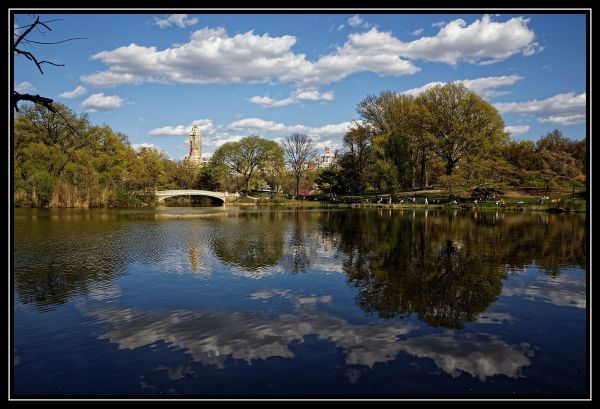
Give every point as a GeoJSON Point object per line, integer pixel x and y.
{"type": "Point", "coordinates": [458, 123]}
{"type": "Point", "coordinates": [64, 161]}
{"type": "Point", "coordinates": [450, 136]}
{"type": "Point", "coordinates": [248, 158]}
{"type": "Point", "coordinates": [357, 163]}
{"type": "Point", "coordinates": [553, 162]}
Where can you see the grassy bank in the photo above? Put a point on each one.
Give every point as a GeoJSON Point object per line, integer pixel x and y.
{"type": "Point", "coordinates": [512, 201]}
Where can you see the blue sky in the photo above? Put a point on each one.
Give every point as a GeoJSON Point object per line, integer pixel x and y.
{"type": "Point", "coordinates": [151, 76]}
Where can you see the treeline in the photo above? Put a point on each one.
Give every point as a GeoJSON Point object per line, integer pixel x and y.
{"type": "Point", "coordinates": [449, 137]}
{"type": "Point", "coordinates": [61, 160]}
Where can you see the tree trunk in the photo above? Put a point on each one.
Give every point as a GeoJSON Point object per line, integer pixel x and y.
{"type": "Point", "coordinates": [449, 167]}
{"type": "Point", "coordinates": [423, 176]}
{"type": "Point", "coordinates": [297, 186]}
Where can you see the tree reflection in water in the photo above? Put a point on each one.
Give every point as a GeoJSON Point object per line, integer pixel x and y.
{"type": "Point", "coordinates": [446, 268]}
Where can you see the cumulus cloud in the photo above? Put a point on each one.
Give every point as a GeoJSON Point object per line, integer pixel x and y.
{"type": "Point", "coordinates": [212, 56]}
{"type": "Point", "coordinates": [299, 95]}
{"type": "Point", "coordinates": [138, 146]}
{"type": "Point", "coordinates": [101, 102]}
{"type": "Point", "coordinates": [258, 124]}
{"type": "Point", "coordinates": [205, 126]}
{"type": "Point", "coordinates": [329, 130]}
{"type": "Point", "coordinates": [77, 92]}
{"type": "Point", "coordinates": [486, 87]}
{"type": "Point", "coordinates": [179, 20]}
{"type": "Point", "coordinates": [25, 88]}
{"type": "Point", "coordinates": [562, 109]}
{"type": "Point", "coordinates": [482, 40]}
{"type": "Point", "coordinates": [516, 130]}
{"type": "Point", "coordinates": [417, 32]}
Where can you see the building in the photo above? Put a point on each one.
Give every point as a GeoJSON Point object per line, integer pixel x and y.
{"type": "Point", "coordinates": [326, 160]}
{"type": "Point", "coordinates": [195, 155]}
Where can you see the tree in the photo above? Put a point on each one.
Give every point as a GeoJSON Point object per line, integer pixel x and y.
{"type": "Point", "coordinates": [153, 167]}
{"type": "Point", "coordinates": [247, 156]}
{"type": "Point", "coordinates": [24, 39]}
{"type": "Point", "coordinates": [358, 159]}
{"type": "Point", "coordinates": [298, 150]}
{"type": "Point", "coordinates": [399, 146]}
{"type": "Point", "coordinates": [185, 174]}
{"type": "Point", "coordinates": [459, 122]}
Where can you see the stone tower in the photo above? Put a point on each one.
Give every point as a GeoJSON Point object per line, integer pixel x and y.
{"type": "Point", "coordinates": [195, 155]}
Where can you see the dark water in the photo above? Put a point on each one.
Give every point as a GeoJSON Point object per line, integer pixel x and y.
{"type": "Point", "coordinates": [222, 302]}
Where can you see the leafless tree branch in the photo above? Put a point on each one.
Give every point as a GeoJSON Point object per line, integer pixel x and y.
{"type": "Point", "coordinates": [47, 102]}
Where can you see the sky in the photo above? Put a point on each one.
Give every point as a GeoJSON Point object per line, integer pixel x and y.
{"type": "Point", "coordinates": [152, 76]}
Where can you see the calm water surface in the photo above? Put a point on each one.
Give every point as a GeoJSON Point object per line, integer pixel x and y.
{"type": "Point", "coordinates": [200, 301]}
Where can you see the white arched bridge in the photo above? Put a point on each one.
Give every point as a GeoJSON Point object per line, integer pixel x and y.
{"type": "Point", "coordinates": [224, 197]}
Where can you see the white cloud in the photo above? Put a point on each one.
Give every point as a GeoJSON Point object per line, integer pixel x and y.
{"type": "Point", "coordinates": [438, 24]}
{"type": "Point", "coordinates": [482, 40]}
{"type": "Point", "coordinates": [101, 102]}
{"type": "Point", "coordinates": [330, 130]}
{"type": "Point", "coordinates": [138, 146]}
{"type": "Point", "coordinates": [563, 109]}
{"type": "Point", "coordinates": [111, 79]}
{"type": "Point", "coordinates": [310, 94]}
{"type": "Point", "coordinates": [417, 32]}
{"type": "Point", "coordinates": [260, 125]}
{"type": "Point", "coordinates": [25, 88]}
{"type": "Point", "coordinates": [485, 87]}
{"type": "Point", "coordinates": [221, 138]}
{"type": "Point", "coordinates": [212, 56]}
{"type": "Point", "coordinates": [170, 131]}
{"type": "Point", "coordinates": [205, 126]}
{"type": "Point", "coordinates": [516, 130]}
{"type": "Point", "coordinates": [564, 119]}
{"type": "Point", "coordinates": [267, 101]}
{"type": "Point", "coordinates": [355, 21]}
{"type": "Point", "coordinates": [340, 27]}
{"type": "Point", "coordinates": [257, 124]}
{"type": "Point", "coordinates": [77, 92]}
{"type": "Point", "coordinates": [180, 20]}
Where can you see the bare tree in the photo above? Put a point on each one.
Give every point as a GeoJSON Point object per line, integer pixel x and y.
{"type": "Point", "coordinates": [298, 150]}
{"type": "Point", "coordinates": [23, 40]}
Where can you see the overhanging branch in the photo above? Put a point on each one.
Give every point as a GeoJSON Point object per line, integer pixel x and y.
{"type": "Point", "coordinates": [46, 102]}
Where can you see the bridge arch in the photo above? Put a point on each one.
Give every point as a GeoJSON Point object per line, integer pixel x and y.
{"type": "Point", "coordinates": [224, 197]}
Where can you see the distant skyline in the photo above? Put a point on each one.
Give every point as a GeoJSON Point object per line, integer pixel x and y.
{"type": "Point", "coordinates": [152, 76]}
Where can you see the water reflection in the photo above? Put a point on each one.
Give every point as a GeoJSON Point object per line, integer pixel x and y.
{"type": "Point", "coordinates": [447, 269]}
{"type": "Point", "coordinates": [250, 240]}
{"type": "Point", "coordinates": [213, 339]}
{"type": "Point", "coordinates": [358, 296]}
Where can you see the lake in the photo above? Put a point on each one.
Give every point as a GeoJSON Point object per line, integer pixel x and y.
{"type": "Point", "coordinates": [225, 301]}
